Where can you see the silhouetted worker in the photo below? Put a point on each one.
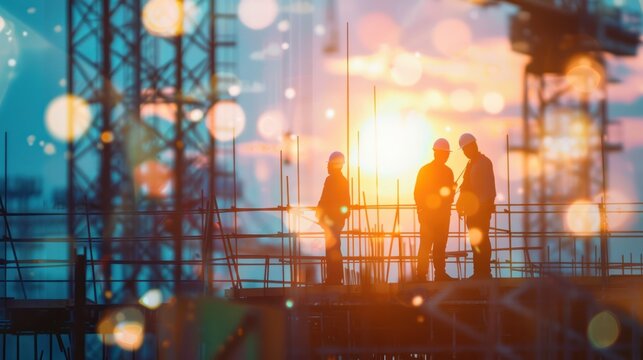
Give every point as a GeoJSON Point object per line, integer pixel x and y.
{"type": "Point", "coordinates": [476, 203]}
{"type": "Point", "coordinates": [332, 212]}
{"type": "Point", "coordinates": [434, 192]}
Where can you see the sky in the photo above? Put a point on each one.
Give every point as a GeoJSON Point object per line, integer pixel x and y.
{"type": "Point", "coordinates": [437, 68]}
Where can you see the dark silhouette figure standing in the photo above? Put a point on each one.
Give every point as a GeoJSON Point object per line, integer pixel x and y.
{"type": "Point", "coordinates": [332, 212]}
{"type": "Point", "coordinates": [476, 203]}
{"type": "Point", "coordinates": [434, 192]}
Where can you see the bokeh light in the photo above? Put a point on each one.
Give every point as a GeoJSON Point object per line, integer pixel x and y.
{"type": "Point", "coordinates": [417, 300]}
{"type": "Point", "coordinates": [290, 93]}
{"type": "Point", "coordinates": [584, 74]}
{"type": "Point", "coordinates": [461, 100]}
{"type": "Point", "coordinates": [376, 29]}
{"type": "Point", "coordinates": [129, 335]}
{"type": "Point", "coordinates": [257, 14]}
{"type": "Point", "coordinates": [434, 99]}
{"type": "Point", "coordinates": [153, 178]}
{"type": "Point", "coordinates": [234, 90]}
{"type": "Point", "coordinates": [68, 117]}
{"type": "Point", "coordinates": [451, 37]}
{"type": "Point", "coordinates": [330, 113]}
{"type": "Point", "coordinates": [163, 18]}
{"type": "Point", "coordinates": [225, 120]}
{"type": "Point", "coordinates": [407, 70]}
{"type": "Point", "coordinates": [583, 217]}
{"type": "Point", "coordinates": [603, 330]}
{"type": "Point", "coordinates": [2, 23]}
{"type": "Point", "coordinates": [195, 115]}
{"type": "Point", "coordinates": [152, 299]}
{"type": "Point", "coordinates": [270, 125]}
{"type": "Point", "coordinates": [475, 236]}
{"type": "Point", "coordinates": [289, 303]}
{"type": "Point", "coordinates": [493, 103]}
{"type": "Point", "coordinates": [283, 25]}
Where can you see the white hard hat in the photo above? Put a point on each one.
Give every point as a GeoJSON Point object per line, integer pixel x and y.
{"type": "Point", "coordinates": [336, 158]}
{"type": "Point", "coordinates": [441, 144]}
{"type": "Point", "coordinates": [466, 139]}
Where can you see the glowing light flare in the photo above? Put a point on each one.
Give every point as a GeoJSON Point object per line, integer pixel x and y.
{"type": "Point", "coordinates": [195, 115]}
{"type": "Point", "coordinates": [451, 37]}
{"type": "Point", "coordinates": [493, 103]}
{"type": "Point", "coordinates": [225, 120]}
{"type": "Point", "coordinates": [583, 217]}
{"type": "Point", "coordinates": [417, 300]}
{"type": "Point", "coordinates": [234, 90]}
{"type": "Point", "coordinates": [461, 100]}
{"type": "Point", "coordinates": [376, 29]}
{"type": "Point", "coordinates": [257, 14]}
{"type": "Point", "coordinates": [406, 70]}
{"type": "Point", "coordinates": [153, 178]}
{"type": "Point", "coordinates": [129, 335]}
{"type": "Point", "coordinates": [152, 299]}
{"type": "Point", "coordinates": [289, 304]}
{"type": "Point", "coordinates": [3, 23]}
{"type": "Point", "coordinates": [603, 330]}
{"type": "Point", "coordinates": [68, 117]}
{"type": "Point", "coordinates": [475, 236]}
{"type": "Point", "coordinates": [163, 18]}
{"type": "Point", "coordinates": [584, 74]}
{"type": "Point", "coordinates": [270, 125]}
{"type": "Point", "coordinates": [401, 144]}
{"type": "Point", "coordinates": [107, 137]}
{"type": "Point", "coordinates": [445, 191]}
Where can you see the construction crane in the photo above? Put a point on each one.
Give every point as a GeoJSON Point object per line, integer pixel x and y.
{"type": "Point", "coordinates": [565, 119]}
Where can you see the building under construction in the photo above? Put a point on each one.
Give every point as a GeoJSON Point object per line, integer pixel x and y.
{"type": "Point", "coordinates": [149, 252]}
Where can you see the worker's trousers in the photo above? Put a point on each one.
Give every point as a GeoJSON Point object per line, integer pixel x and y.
{"type": "Point", "coordinates": [481, 250]}
{"type": "Point", "coordinates": [434, 232]}
{"type": "Point", "coordinates": [335, 269]}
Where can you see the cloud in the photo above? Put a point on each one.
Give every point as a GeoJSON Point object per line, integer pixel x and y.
{"type": "Point", "coordinates": [272, 50]}
{"type": "Point", "coordinates": [300, 7]}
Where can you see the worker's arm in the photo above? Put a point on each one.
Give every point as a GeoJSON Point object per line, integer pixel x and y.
{"type": "Point", "coordinates": [418, 192]}
{"type": "Point", "coordinates": [323, 200]}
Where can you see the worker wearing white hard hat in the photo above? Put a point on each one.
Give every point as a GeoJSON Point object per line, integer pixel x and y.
{"type": "Point", "coordinates": [332, 212]}
{"type": "Point", "coordinates": [434, 191]}
{"type": "Point", "coordinates": [476, 203]}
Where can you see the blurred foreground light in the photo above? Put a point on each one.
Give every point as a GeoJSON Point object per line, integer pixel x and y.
{"type": "Point", "coordinates": [285, 46]}
{"type": "Point", "coordinates": [49, 149]}
{"type": "Point", "coordinates": [407, 70]}
{"type": "Point", "coordinates": [68, 117]}
{"type": "Point", "coordinates": [290, 93]}
{"type": "Point", "coordinates": [320, 30]}
{"type": "Point", "coordinates": [417, 300]}
{"type": "Point", "coordinates": [475, 236]}
{"type": "Point", "coordinates": [163, 18]}
{"type": "Point", "coordinates": [153, 178]}
{"type": "Point", "coordinates": [225, 120]}
{"type": "Point", "coordinates": [195, 115]}
{"type": "Point", "coordinates": [603, 330]}
{"type": "Point", "coordinates": [283, 25]}
{"type": "Point", "coordinates": [289, 304]}
{"type": "Point", "coordinates": [234, 90]}
{"type": "Point", "coordinates": [451, 37]}
{"type": "Point", "coordinates": [152, 299]}
{"type": "Point", "coordinates": [2, 23]}
{"type": "Point", "coordinates": [270, 125]}
{"type": "Point", "coordinates": [493, 103]}
{"type": "Point", "coordinates": [12, 62]}
{"type": "Point", "coordinates": [129, 335]}
{"type": "Point", "coordinates": [257, 14]}
{"type": "Point", "coordinates": [584, 74]}
{"type": "Point", "coordinates": [107, 137]}
{"type": "Point", "coordinates": [330, 113]}
{"type": "Point", "coordinates": [583, 217]}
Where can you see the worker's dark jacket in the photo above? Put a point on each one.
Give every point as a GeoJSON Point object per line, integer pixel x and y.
{"type": "Point", "coordinates": [479, 181]}
{"type": "Point", "coordinates": [430, 197]}
{"type": "Point", "coordinates": [335, 200]}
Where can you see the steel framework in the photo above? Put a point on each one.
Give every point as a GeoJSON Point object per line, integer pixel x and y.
{"type": "Point", "coordinates": [144, 90]}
